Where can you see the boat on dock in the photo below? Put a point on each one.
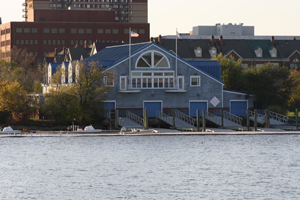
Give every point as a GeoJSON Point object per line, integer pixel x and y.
{"type": "Point", "coordinates": [9, 130]}
{"type": "Point", "coordinates": [87, 129]}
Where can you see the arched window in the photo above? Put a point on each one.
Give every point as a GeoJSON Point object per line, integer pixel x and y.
{"type": "Point", "coordinates": [152, 60]}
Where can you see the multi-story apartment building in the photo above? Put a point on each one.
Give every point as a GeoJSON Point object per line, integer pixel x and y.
{"type": "Point", "coordinates": [134, 11]}
{"type": "Point", "coordinates": [51, 24]}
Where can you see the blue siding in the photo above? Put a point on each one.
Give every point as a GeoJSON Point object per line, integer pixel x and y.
{"type": "Point", "coordinates": [238, 108]}
{"type": "Point", "coordinates": [194, 106]}
{"type": "Point", "coordinates": [152, 107]}
{"type": "Point", "coordinates": [109, 106]}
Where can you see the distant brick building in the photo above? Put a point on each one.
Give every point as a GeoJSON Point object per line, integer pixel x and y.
{"type": "Point", "coordinates": [56, 24]}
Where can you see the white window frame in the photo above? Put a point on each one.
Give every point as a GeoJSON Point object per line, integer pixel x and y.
{"type": "Point", "coordinates": [152, 61]}
{"type": "Point", "coordinates": [182, 87]}
{"type": "Point", "coordinates": [125, 81]}
{"type": "Point", "coordinates": [170, 80]}
{"type": "Point", "coordinates": [198, 81]}
{"type": "Point", "coordinates": [105, 82]}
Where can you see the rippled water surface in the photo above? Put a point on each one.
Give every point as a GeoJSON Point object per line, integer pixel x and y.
{"type": "Point", "coordinates": [151, 167]}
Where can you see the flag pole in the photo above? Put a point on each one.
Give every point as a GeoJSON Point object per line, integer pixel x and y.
{"type": "Point", "coordinates": [129, 76]}
{"type": "Point", "coordinates": [176, 85]}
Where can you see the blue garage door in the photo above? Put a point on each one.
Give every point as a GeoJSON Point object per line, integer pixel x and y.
{"type": "Point", "coordinates": [194, 106]}
{"type": "Point", "coordinates": [152, 107]}
{"type": "Point", "coordinates": [109, 106]}
{"type": "Point", "coordinates": [238, 108]}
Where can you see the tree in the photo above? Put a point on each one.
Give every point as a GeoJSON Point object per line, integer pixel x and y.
{"type": "Point", "coordinates": [15, 100]}
{"type": "Point", "coordinates": [231, 72]}
{"type": "Point", "coordinates": [270, 84]}
{"type": "Point", "coordinates": [83, 100]}
{"type": "Point", "coordinates": [294, 101]}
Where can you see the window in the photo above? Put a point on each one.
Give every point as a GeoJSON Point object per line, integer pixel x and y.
{"type": "Point", "coordinates": [19, 30]}
{"type": "Point", "coordinates": [22, 41]}
{"type": "Point", "coordinates": [81, 30]}
{"type": "Point", "coordinates": [152, 80]}
{"type": "Point", "coordinates": [152, 60]}
{"type": "Point", "coordinates": [46, 30]}
{"type": "Point", "coordinates": [73, 30]}
{"type": "Point", "coordinates": [245, 66]}
{"type": "Point", "coordinates": [258, 52]}
{"type": "Point", "coordinates": [141, 31]}
{"type": "Point", "coordinates": [88, 30]}
{"type": "Point", "coordinates": [31, 42]}
{"type": "Point", "coordinates": [34, 30]}
{"type": "Point", "coordinates": [115, 31]}
{"type": "Point", "coordinates": [53, 30]}
{"type": "Point", "coordinates": [180, 82]}
{"type": "Point", "coordinates": [45, 42]}
{"type": "Point", "coordinates": [17, 42]}
{"type": "Point", "coordinates": [123, 82]}
{"type": "Point", "coordinates": [198, 52]}
{"type": "Point", "coordinates": [109, 81]}
{"type": "Point", "coordinates": [107, 31]}
{"type": "Point", "coordinates": [26, 30]}
{"type": "Point", "coordinates": [63, 42]}
{"type": "Point", "coordinates": [195, 81]}
{"type": "Point", "coordinates": [100, 31]}
{"type": "Point", "coordinates": [61, 30]}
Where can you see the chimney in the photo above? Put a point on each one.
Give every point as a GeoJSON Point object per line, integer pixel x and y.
{"type": "Point", "coordinates": [76, 46]}
{"type": "Point", "coordinates": [85, 44]}
{"type": "Point", "coordinates": [151, 39]}
{"type": "Point", "coordinates": [272, 41]}
{"type": "Point", "coordinates": [221, 40]}
{"type": "Point", "coordinates": [55, 52]}
{"type": "Point", "coordinates": [160, 40]}
{"type": "Point", "coordinates": [0, 21]}
{"type": "Point", "coordinates": [212, 40]}
{"type": "Point", "coordinates": [294, 38]}
{"type": "Point", "coordinates": [64, 50]}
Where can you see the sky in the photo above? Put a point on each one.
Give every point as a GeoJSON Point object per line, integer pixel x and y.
{"type": "Point", "coordinates": [269, 17]}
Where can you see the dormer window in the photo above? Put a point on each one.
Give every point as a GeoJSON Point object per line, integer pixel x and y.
{"type": "Point", "coordinates": [273, 52]}
{"type": "Point", "coordinates": [258, 52]}
{"type": "Point", "coordinates": [198, 52]}
{"type": "Point", "coordinates": [213, 52]}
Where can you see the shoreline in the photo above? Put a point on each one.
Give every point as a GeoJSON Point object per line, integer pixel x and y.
{"type": "Point", "coordinates": [150, 132]}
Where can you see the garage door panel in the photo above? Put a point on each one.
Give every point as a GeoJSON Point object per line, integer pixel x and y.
{"type": "Point", "coordinates": [152, 107]}
{"type": "Point", "coordinates": [194, 106]}
{"type": "Point", "coordinates": [238, 108]}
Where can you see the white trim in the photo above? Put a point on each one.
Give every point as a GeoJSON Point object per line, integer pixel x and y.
{"type": "Point", "coordinates": [152, 77]}
{"type": "Point", "coordinates": [170, 54]}
{"type": "Point", "coordinates": [293, 54]}
{"type": "Point", "coordinates": [180, 77]}
{"type": "Point", "coordinates": [152, 52]}
{"type": "Point", "coordinates": [235, 53]}
{"type": "Point", "coordinates": [123, 77]}
{"type": "Point", "coordinates": [237, 92]}
{"type": "Point", "coordinates": [236, 101]}
{"type": "Point", "coordinates": [199, 101]}
{"type": "Point", "coordinates": [154, 101]}
{"type": "Point", "coordinates": [105, 82]}
{"type": "Point", "coordinates": [198, 81]}
{"type": "Point", "coordinates": [111, 101]}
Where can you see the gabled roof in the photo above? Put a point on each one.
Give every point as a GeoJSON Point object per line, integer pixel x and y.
{"type": "Point", "coordinates": [110, 56]}
{"type": "Point", "coordinates": [76, 53]}
{"type": "Point", "coordinates": [212, 68]}
{"type": "Point", "coordinates": [186, 47]}
{"type": "Point", "coordinates": [287, 47]}
{"type": "Point", "coordinates": [113, 54]}
{"type": "Point", "coordinates": [54, 67]}
{"type": "Point", "coordinates": [265, 46]}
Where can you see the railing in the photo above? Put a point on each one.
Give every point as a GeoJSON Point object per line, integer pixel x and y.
{"type": "Point", "coordinates": [121, 121]}
{"type": "Point", "coordinates": [232, 117]}
{"type": "Point", "coordinates": [278, 117]}
{"type": "Point", "coordinates": [214, 118]}
{"type": "Point", "coordinates": [134, 117]}
{"type": "Point", "coordinates": [185, 117]}
{"type": "Point", "coordinates": [164, 117]}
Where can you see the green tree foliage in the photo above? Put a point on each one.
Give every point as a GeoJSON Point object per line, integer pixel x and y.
{"type": "Point", "coordinates": [294, 101]}
{"type": "Point", "coordinates": [270, 84]}
{"type": "Point", "coordinates": [15, 100]}
{"type": "Point", "coordinates": [81, 101]}
{"type": "Point", "coordinates": [231, 72]}
{"type": "Point", "coordinates": [18, 78]}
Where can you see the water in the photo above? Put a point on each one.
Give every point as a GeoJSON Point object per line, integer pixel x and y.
{"type": "Point", "coordinates": [151, 167]}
